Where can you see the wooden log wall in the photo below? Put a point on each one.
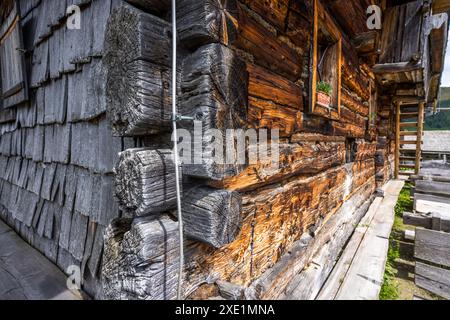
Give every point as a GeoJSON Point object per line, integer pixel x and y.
{"type": "Point", "coordinates": [248, 68]}
{"type": "Point", "coordinates": [57, 151]}
{"type": "Point", "coordinates": [313, 181]}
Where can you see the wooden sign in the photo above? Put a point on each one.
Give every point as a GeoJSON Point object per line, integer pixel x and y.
{"type": "Point", "coordinates": [14, 89]}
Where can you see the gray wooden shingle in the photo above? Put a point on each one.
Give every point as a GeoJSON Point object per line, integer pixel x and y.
{"type": "Point", "coordinates": [101, 11]}
{"type": "Point", "coordinates": [84, 192]}
{"type": "Point", "coordinates": [66, 222]}
{"type": "Point", "coordinates": [39, 105]}
{"type": "Point", "coordinates": [78, 234]}
{"type": "Point", "coordinates": [97, 250]}
{"type": "Point", "coordinates": [74, 97]}
{"type": "Point", "coordinates": [70, 187]}
{"type": "Point", "coordinates": [39, 68]}
{"type": "Point", "coordinates": [38, 180]}
{"type": "Point", "coordinates": [109, 208]}
{"type": "Point", "coordinates": [38, 147]}
{"type": "Point", "coordinates": [57, 194]}
{"type": "Point", "coordinates": [47, 182]}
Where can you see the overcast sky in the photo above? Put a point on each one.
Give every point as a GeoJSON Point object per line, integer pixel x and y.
{"type": "Point", "coordinates": [446, 75]}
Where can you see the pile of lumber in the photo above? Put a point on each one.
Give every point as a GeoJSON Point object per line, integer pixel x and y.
{"type": "Point", "coordinates": [431, 238]}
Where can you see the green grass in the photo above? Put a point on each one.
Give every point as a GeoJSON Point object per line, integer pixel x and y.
{"type": "Point", "coordinates": [404, 202]}
{"type": "Point", "coordinates": [389, 289]}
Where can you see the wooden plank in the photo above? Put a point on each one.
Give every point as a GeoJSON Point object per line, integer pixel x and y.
{"type": "Point", "coordinates": [365, 275]}
{"type": "Point", "coordinates": [420, 122]}
{"type": "Point", "coordinates": [433, 187]}
{"type": "Point", "coordinates": [433, 279]}
{"type": "Point", "coordinates": [432, 246]}
{"type": "Point", "coordinates": [334, 281]}
{"type": "Point", "coordinates": [397, 138]}
{"type": "Point", "coordinates": [424, 205]}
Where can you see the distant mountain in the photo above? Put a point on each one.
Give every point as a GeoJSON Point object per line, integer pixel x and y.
{"type": "Point", "coordinates": [441, 120]}
{"type": "Point", "coordinates": [445, 97]}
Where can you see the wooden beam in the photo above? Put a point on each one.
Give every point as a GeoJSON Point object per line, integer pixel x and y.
{"type": "Point", "coordinates": [214, 91]}
{"type": "Point", "coordinates": [395, 67]}
{"type": "Point", "coordinates": [426, 221]}
{"type": "Point", "coordinates": [432, 246]}
{"type": "Point", "coordinates": [433, 187]}
{"type": "Point", "coordinates": [397, 138]}
{"type": "Point", "coordinates": [137, 51]}
{"type": "Point", "coordinates": [145, 181]}
{"type": "Point", "coordinates": [212, 216]}
{"type": "Point", "coordinates": [434, 279]}
{"type": "Point", "coordinates": [140, 259]}
{"type": "Point", "coordinates": [202, 22]}
{"type": "Point", "coordinates": [419, 135]}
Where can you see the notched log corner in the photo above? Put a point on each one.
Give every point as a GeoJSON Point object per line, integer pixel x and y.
{"type": "Point", "coordinates": [145, 181]}
{"type": "Point", "coordinates": [206, 21]}
{"type": "Point", "coordinates": [212, 216]}
{"type": "Point", "coordinates": [141, 260]}
{"type": "Point", "coordinates": [214, 90]}
{"type": "Point", "coordinates": [137, 60]}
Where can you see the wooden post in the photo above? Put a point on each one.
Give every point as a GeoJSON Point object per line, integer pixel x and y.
{"type": "Point", "coordinates": [397, 138]}
{"type": "Point", "coordinates": [420, 120]}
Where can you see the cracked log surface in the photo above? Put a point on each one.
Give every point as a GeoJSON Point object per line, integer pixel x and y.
{"type": "Point", "coordinates": [137, 50]}
{"type": "Point", "coordinates": [141, 259]}
{"type": "Point", "coordinates": [206, 21]}
{"type": "Point", "coordinates": [145, 181]}
{"type": "Point", "coordinates": [212, 216]}
{"type": "Point", "coordinates": [214, 91]}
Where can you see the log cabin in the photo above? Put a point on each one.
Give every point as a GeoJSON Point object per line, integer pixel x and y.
{"type": "Point", "coordinates": [86, 164]}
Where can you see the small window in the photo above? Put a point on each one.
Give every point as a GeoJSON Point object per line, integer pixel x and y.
{"type": "Point", "coordinates": [12, 61]}
{"type": "Point", "coordinates": [326, 63]}
{"type": "Point", "coordinates": [351, 150]}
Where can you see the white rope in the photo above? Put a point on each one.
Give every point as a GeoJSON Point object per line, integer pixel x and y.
{"type": "Point", "coordinates": [175, 147]}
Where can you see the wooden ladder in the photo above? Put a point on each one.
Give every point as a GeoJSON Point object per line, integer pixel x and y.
{"type": "Point", "coordinates": [409, 123]}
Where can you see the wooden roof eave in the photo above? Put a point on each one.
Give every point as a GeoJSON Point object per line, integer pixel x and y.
{"type": "Point", "coordinates": [438, 40]}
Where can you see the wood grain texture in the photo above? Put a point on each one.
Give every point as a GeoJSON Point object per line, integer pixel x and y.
{"type": "Point", "coordinates": [212, 216]}
{"type": "Point", "coordinates": [145, 181]}
{"type": "Point", "coordinates": [433, 279]}
{"type": "Point", "coordinates": [202, 22]}
{"type": "Point", "coordinates": [214, 92]}
{"type": "Point", "coordinates": [141, 259]}
{"type": "Point", "coordinates": [137, 50]}
{"type": "Point", "coordinates": [432, 246]}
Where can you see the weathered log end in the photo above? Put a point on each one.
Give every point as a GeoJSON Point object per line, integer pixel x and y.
{"type": "Point", "coordinates": [206, 21]}
{"type": "Point", "coordinates": [137, 50]}
{"type": "Point", "coordinates": [141, 259]}
{"type": "Point", "coordinates": [212, 216]}
{"type": "Point", "coordinates": [145, 181]}
{"type": "Point", "coordinates": [214, 91]}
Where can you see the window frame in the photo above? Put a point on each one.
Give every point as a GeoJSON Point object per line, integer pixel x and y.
{"type": "Point", "coordinates": [323, 19]}
{"type": "Point", "coordinates": [10, 27]}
